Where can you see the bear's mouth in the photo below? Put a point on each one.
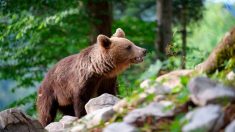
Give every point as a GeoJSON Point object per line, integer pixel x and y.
{"type": "Point", "coordinates": [137, 59]}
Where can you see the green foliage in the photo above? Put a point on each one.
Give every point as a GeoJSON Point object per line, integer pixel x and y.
{"type": "Point", "coordinates": [208, 32]}
{"type": "Point", "coordinates": [202, 37]}
{"type": "Point", "coordinates": [135, 30]}
{"type": "Point", "coordinates": [183, 95]}
{"type": "Point", "coordinates": [176, 124]}
{"type": "Point", "coordinates": [189, 10]}
{"type": "Point", "coordinates": [151, 72]}
{"type": "Point", "coordinates": [33, 37]}
{"type": "Point", "coordinates": [27, 42]}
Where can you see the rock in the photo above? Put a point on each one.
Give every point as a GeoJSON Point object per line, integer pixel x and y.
{"type": "Point", "coordinates": [205, 119]}
{"type": "Point", "coordinates": [94, 118]}
{"type": "Point", "coordinates": [67, 121]}
{"type": "Point", "coordinates": [230, 76]}
{"type": "Point", "coordinates": [155, 110]}
{"type": "Point", "coordinates": [79, 128]}
{"type": "Point", "coordinates": [204, 91]}
{"type": "Point", "coordinates": [172, 79]}
{"type": "Point", "coordinates": [61, 126]}
{"type": "Point", "coordinates": [154, 87]}
{"type": "Point", "coordinates": [159, 98]}
{"type": "Point", "coordinates": [104, 100]}
{"type": "Point", "coordinates": [146, 84]}
{"type": "Point", "coordinates": [119, 107]}
{"type": "Point", "coordinates": [230, 127]}
{"type": "Point", "coordinates": [140, 99]}
{"type": "Point", "coordinates": [120, 127]}
{"type": "Point", "coordinates": [13, 120]}
{"type": "Point", "coordinates": [55, 127]}
{"type": "Point", "coordinates": [159, 90]}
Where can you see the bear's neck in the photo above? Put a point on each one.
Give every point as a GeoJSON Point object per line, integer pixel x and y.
{"type": "Point", "coordinates": [102, 64]}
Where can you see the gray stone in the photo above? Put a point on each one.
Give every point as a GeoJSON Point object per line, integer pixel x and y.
{"type": "Point", "coordinates": [146, 84]}
{"type": "Point", "coordinates": [172, 79]}
{"type": "Point", "coordinates": [205, 91]}
{"type": "Point", "coordinates": [97, 116]}
{"type": "Point", "coordinates": [119, 107]}
{"type": "Point", "coordinates": [204, 119]}
{"type": "Point", "coordinates": [67, 121]}
{"type": "Point", "coordinates": [55, 127]}
{"type": "Point", "coordinates": [120, 127]}
{"type": "Point", "coordinates": [156, 110]}
{"type": "Point", "coordinates": [92, 119]}
{"type": "Point", "coordinates": [230, 127]}
{"type": "Point", "coordinates": [79, 128]}
{"type": "Point", "coordinates": [230, 76]}
{"type": "Point", "coordinates": [155, 88]}
{"type": "Point", "coordinates": [104, 100]}
{"type": "Point", "coordinates": [13, 120]}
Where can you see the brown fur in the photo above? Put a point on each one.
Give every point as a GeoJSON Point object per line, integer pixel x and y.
{"type": "Point", "coordinates": [75, 79]}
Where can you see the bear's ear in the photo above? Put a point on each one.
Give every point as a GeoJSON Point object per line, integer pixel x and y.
{"type": "Point", "coordinates": [103, 41]}
{"type": "Point", "coordinates": [119, 33]}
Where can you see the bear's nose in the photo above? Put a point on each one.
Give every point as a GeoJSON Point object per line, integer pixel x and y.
{"type": "Point", "coordinates": [144, 52]}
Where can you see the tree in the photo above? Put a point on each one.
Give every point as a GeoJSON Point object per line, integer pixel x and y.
{"type": "Point", "coordinates": [164, 16]}
{"type": "Point", "coordinates": [186, 12]}
{"type": "Point", "coordinates": [100, 14]}
{"type": "Point", "coordinates": [224, 51]}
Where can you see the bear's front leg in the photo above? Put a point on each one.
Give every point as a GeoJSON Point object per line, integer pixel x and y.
{"type": "Point", "coordinates": [108, 85]}
{"type": "Point", "coordinates": [81, 97]}
{"type": "Point", "coordinates": [79, 106]}
{"type": "Point", "coordinates": [84, 92]}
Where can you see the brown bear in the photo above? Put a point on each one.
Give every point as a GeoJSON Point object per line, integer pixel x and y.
{"type": "Point", "coordinates": [70, 84]}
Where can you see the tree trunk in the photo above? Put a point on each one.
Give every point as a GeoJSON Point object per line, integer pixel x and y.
{"type": "Point", "coordinates": [183, 14]}
{"type": "Point", "coordinates": [184, 44]}
{"type": "Point", "coordinates": [164, 15]}
{"type": "Point", "coordinates": [100, 13]}
{"type": "Point", "coordinates": [223, 52]}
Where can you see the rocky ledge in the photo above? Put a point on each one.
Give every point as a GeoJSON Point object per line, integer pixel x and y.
{"type": "Point", "coordinates": [208, 106]}
{"type": "Point", "coordinates": [199, 104]}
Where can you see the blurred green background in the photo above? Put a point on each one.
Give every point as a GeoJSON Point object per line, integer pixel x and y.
{"type": "Point", "coordinates": [35, 34]}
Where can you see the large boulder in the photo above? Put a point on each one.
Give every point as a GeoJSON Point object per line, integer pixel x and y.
{"type": "Point", "coordinates": [205, 91]}
{"type": "Point", "coordinates": [14, 120]}
{"type": "Point", "coordinates": [204, 119]}
{"type": "Point", "coordinates": [104, 100]}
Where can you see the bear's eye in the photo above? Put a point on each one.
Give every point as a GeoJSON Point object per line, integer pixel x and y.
{"type": "Point", "coordinates": [128, 47]}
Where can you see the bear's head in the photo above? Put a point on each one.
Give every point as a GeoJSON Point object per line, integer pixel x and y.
{"type": "Point", "coordinates": [122, 51]}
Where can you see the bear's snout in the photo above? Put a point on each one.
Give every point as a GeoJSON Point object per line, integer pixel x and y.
{"type": "Point", "coordinates": [144, 52]}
